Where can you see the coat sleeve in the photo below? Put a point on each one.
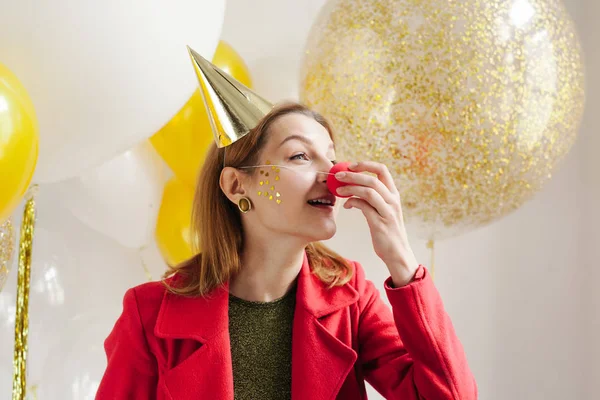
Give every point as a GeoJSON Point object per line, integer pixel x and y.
{"type": "Point", "coordinates": [411, 352]}
{"type": "Point", "coordinates": [131, 372]}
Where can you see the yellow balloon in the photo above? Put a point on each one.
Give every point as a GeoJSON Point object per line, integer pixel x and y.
{"type": "Point", "coordinates": [230, 61]}
{"type": "Point", "coordinates": [184, 140]}
{"type": "Point", "coordinates": [18, 141]}
{"type": "Point", "coordinates": [173, 233]}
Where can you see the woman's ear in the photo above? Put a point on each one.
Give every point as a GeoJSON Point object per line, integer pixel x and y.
{"type": "Point", "coordinates": [231, 183]}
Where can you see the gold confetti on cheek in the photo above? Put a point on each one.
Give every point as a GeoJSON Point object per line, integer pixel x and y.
{"type": "Point", "coordinates": [272, 194]}
{"type": "Point", "coordinates": [277, 194]}
{"type": "Point", "coordinates": [471, 104]}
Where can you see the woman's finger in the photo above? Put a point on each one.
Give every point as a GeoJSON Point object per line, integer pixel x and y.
{"type": "Point", "coordinates": [369, 212]}
{"type": "Point", "coordinates": [370, 196]}
{"type": "Point", "coordinates": [357, 178]}
{"type": "Point", "coordinates": [382, 172]}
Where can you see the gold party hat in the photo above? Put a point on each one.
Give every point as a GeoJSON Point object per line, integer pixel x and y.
{"type": "Point", "coordinates": [233, 109]}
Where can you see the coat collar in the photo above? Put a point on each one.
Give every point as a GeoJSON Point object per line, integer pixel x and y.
{"type": "Point", "coordinates": [201, 318]}
{"type": "Point", "coordinates": [315, 342]}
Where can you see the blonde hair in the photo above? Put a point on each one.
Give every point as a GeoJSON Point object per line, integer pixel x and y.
{"type": "Point", "coordinates": [217, 225]}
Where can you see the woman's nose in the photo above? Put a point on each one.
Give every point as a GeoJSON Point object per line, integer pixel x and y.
{"type": "Point", "coordinates": [323, 170]}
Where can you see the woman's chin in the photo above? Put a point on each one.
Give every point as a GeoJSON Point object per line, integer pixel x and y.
{"type": "Point", "coordinates": [324, 232]}
{"type": "Point", "coordinates": [315, 232]}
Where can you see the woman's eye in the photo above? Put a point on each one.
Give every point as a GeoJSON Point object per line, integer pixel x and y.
{"type": "Point", "coordinates": [301, 156]}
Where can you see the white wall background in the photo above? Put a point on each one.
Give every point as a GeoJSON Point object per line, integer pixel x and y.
{"type": "Point", "coordinates": [590, 193]}
{"type": "Point", "coordinates": [521, 292]}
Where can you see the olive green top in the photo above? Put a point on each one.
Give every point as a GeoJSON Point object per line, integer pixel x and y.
{"type": "Point", "coordinates": [261, 347]}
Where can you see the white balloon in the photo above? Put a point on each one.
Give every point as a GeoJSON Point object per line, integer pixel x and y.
{"type": "Point", "coordinates": [103, 75]}
{"type": "Point", "coordinates": [82, 360]}
{"type": "Point", "coordinates": [274, 60]}
{"type": "Point", "coordinates": [76, 272]}
{"type": "Point", "coordinates": [153, 261]}
{"type": "Point", "coordinates": [121, 198]}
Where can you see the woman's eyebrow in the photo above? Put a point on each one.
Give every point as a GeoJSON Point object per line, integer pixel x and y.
{"type": "Point", "coordinates": [302, 139]}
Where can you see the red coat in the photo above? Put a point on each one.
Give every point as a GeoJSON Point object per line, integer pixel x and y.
{"type": "Point", "coordinates": [172, 347]}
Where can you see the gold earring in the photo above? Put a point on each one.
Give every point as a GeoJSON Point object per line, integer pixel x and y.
{"type": "Point", "coordinates": [244, 205]}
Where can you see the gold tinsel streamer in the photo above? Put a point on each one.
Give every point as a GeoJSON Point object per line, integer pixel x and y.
{"type": "Point", "coordinates": [22, 314]}
{"type": "Point", "coordinates": [7, 248]}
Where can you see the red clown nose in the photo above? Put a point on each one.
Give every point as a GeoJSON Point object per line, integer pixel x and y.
{"type": "Point", "coordinates": [332, 183]}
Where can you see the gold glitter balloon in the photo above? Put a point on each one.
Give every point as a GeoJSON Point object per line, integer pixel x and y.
{"type": "Point", "coordinates": [470, 103]}
{"type": "Point", "coordinates": [7, 249]}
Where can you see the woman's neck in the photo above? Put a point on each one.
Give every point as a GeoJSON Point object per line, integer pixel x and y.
{"type": "Point", "coordinates": [267, 271]}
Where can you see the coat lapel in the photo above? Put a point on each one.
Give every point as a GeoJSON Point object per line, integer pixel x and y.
{"type": "Point", "coordinates": [320, 360]}
{"type": "Point", "coordinates": [202, 365]}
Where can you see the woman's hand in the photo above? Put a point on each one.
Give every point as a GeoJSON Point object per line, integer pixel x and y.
{"type": "Point", "coordinates": [379, 200]}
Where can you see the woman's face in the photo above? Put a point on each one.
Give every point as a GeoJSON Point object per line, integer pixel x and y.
{"type": "Point", "coordinates": [290, 197]}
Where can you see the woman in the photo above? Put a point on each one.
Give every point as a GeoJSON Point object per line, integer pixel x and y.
{"type": "Point", "coordinates": [266, 311]}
